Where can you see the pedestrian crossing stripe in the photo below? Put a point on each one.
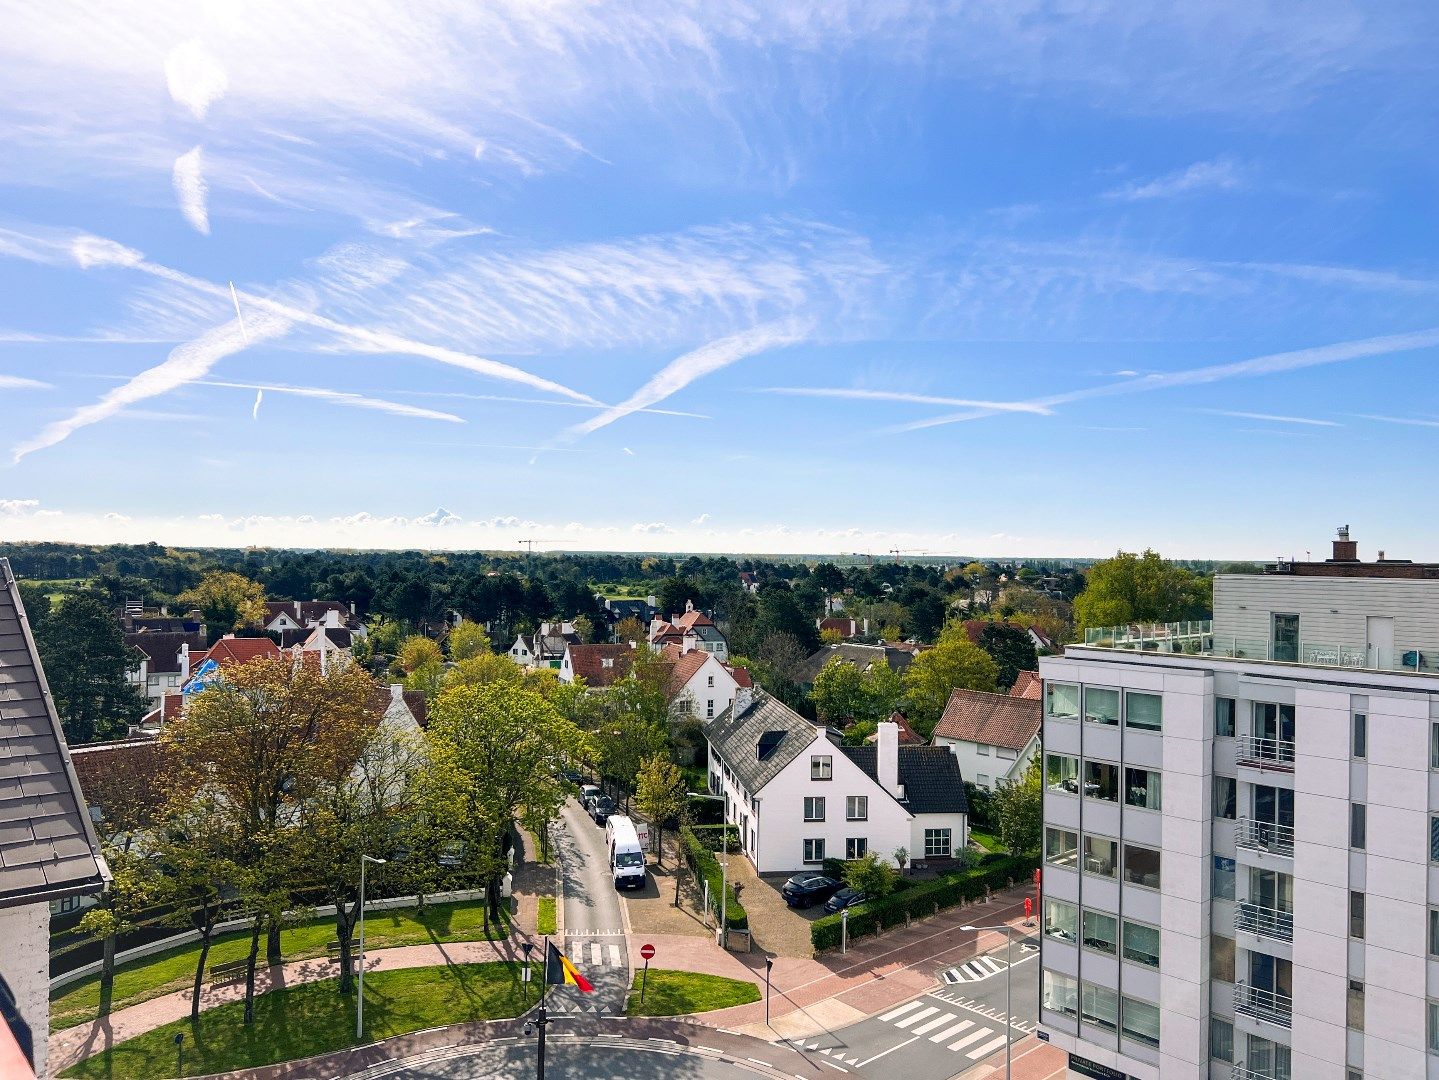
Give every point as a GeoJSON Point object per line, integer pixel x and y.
{"type": "Point", "coordinates": [976, 970]}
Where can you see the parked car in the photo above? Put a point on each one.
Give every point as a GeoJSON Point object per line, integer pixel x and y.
{"type": "Point", "coordinates": [602, 808]}
{"type": "Point", "coordinates": [845, 898]}
{"type": "Point", "coordinates": [806, 890]}
{"type": "Point", "coordinates": [588, 794]}
{"type": "Point", "coordinates": [574, 776]}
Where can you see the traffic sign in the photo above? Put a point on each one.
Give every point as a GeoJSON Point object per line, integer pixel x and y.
{"type": "Point", "coordinates": [647, 951]}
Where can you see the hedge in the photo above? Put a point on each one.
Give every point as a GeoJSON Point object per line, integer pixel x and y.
{"type": "Point", "coordinates": [922, 900]}
{"type": "Point", "coordinates": [700, 842]}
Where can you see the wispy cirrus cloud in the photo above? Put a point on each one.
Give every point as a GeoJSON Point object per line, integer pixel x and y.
{"type": "Point", "coordinates": [336, 397]}
{"type": "Point", "coordinates": [860, 394]}
{"type": "Point", "coordinates": [191, 191]}
{"type": "Point", "coordinates": [20, 382]}
{"type": "Point", "coordinates": [1220, 174]}
{"type": "Point", "coordinates": [1407, 421]}
{"type": "Point", "coordinates": [1307, 421]}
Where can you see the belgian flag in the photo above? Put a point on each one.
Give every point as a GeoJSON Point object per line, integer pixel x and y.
{"type": "Point", "coordinates": [559, 971]}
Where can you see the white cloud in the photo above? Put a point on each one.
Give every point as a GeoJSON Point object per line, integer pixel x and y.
{"type": "Point", "coordinates": [17, 382]}
{"type": "Point", "coordinates": [438, 517]}
{"type": "Point", "coordinates": [905, 396]}
{"type": "Point", "coordinates": [195, 78]}
{"type": "Point", "coordinates": [91, 251]}
{"type": "Point", "coordinates": [1408, 421]}
{"type": "Point", "coordinates": [652, 528]}
{"type": "Point", "coordinates": [334, 397]}
{"type": "Point", "coordinates": [118, 519]}
{"type": "Point", "coordinates": [191, 190]}
{"type": "Point", "coordinates": [700, 520]}
{"type": "Point", "coordinates": [1272, 418]}
{"type": "Point", "coordinates": [1221, 174]}
{"type": "Point", "coordinates": [628, 452]}
{"type": "Point", "coordinates": [19, 506]}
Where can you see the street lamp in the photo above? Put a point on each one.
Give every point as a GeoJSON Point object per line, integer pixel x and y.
{"type": "Point", "coordinates": [768, 967]}
{"type": "Point", "coordinates": [360, 989]}
{"type": "Point", "coordinates": [1008, 991]}
{"type": "Point", "coordinates": [724, 866]}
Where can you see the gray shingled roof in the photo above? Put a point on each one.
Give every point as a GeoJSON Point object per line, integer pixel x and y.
{"type": "Point", "coordinates": [48, 848]}
{"type": "Point", "coordinates": [737, 739]}
{"type": "Point", "coordinates": [861, 656]}
{"type": "Point", "coordinates": [930, 775]}
{"type": "Point", "coordinates": [163, 648]}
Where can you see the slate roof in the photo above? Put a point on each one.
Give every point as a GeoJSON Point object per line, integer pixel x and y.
{"type": "Point", "coordinates": [588, 662]}
{"type": "Point", "coordinates": [930, 775]}
{"type": "Point", "coordinates": [1028, 686]}
{"type": "Point", "coordinates": [736, 738]}
{"type": "Point", "coordinates": [163, 648]}
{"type": "Point", "coordinates": [383, 699]}
{"type": "Point", "coordinates": [48, 848]}
{"type": "Point", "coordinates": [338, 635]}
{"type": "Point", "coordinates": [861, 656]}
{"type": "Point", "coordinates": [994, 719]}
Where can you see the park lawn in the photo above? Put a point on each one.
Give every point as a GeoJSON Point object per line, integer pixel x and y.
{"type": "Point", "coordinates": [314, 1019]}
{"type": "Point", "coordinates": [174, 969]}
{"type": "Point", "coordinates": [546, 919]}
{"type": "Point", "coordinates": [678, 993]}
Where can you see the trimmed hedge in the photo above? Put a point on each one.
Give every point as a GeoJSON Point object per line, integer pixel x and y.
{"type": "Point", "coordinates": [700, 842]}
{"type": "Point", "coordinates": [924, 899]}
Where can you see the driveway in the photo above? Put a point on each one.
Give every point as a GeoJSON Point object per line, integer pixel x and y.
{"type": "Point", "coordinates": [778, 929]}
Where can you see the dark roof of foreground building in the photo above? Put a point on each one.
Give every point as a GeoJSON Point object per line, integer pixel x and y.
{"type": "Point", "coordinates": [48, 848]}
{"type": "Point", "coordinates": [761, 740]}
{"type": "Point", "coordinates": [930, 775]}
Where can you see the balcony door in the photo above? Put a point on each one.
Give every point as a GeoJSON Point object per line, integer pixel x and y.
{"type": "Point", "coordinates": [1271, 889]}
{"type": "Point", "coordinates": [1266, 1058]}
{"type": "Point", "coordinates": [1271, 974]}
{"type": "Point", "coordinates": [1273, 806]}
{"type": "Point", "coordinates": [1380, 634]}
{"type": "Point", "coordinates": [1284, 639]}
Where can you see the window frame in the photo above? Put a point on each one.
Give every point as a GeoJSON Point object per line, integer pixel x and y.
{"type": "Point", "coordinates": [1072, 851]}
{"type": "Point", "coordinates": [1359, 735]}
{"type": "Point", "coordinates": [1231, 803]}
{"type": "Point", "coordinates": [1114, 782]}
{"type": "Point", "coordinates": [821, 767]}
{"type": "Point", "coordinates": [1136, 1034]}
{"type": "Point", "coordinates": [813, 850]}
{"type": "Point", "coordinates": [1085, 859]}
{"type": "Point", "coordinates": [1431, 1025]}
{"type": "Point", "coordinates": [1050, 759]}
{"type": "Point", "coordinates": [856, 808]}
{"type": "Point", "coordinates": [1124, 948]}
{"type": "Point", "coordinates": [1158, 869]}
{"type": "Point", "coordinates": [1057, 985]}
{"type": "Point", "coordinates": [811, 804]}
{"type": "Point", "coordinates": [1218, 1024]}
{"type": "Point", "coordinates": [1050, 904]}
{"type": "Point", "coordinates": [1084, 936]}
{"type": "Point", "coordinates": [1233, 710]}
{"type": "Point", "coordinates": [1358, 826]}
{"type": "Point", "coordinates": [1118, 705]}
{"type": "Point", "coordinates": [1158, 727]}
{"type": "Point", "coordinates": [934, 850]}
{"type": "Point", "coordinates": [1050, 697]}
{"type": "Point", "coordinates": [1356, 914]}
{"type": "Point", "coordinates": [1152, 783]}
{"type": "Point", "coordinates": [1093, 1018]}
{"type": "Point", "coordinates": [855, 847]}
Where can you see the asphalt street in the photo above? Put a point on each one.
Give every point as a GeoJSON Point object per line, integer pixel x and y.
{"type": "Point", "coordinates": [594, 926]}
{"type": "Point", "coordinates": [955, 1026]}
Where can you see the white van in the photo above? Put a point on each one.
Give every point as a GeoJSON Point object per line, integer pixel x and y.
{"type": "Point", "coordinates": [627, 856]}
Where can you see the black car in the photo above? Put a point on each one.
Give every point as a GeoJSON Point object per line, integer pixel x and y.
{"type": "Point", "coordinates": [845, 898]}
{"type": "Point", "coordinates": [806, 890]}
{"type": "Point", "coordinates": [602, 808]}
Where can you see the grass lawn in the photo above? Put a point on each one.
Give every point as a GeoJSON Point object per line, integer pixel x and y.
{"type": "Point", "coordinates": [676, 993]}
{"type": "Point", "coordinates": [546, 919]}
{"type": "Point", "coordinates": [986, 840]}
{"type": "Point", "coordinates": [174, 969]}
{"type": "Point", "coordinates": [314, 1019]}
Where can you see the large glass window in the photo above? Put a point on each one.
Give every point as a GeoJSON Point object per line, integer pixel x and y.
{"type": "Point", "coordinates": [1286, 637]}
{"type": "Point", "coordinates": [1099, 1005]}
{"type": "Point", "coordinates": [1141, 943]}
{"type": "Point", "coordinates": [1101, 932]}
{"type": "Point", "coordinates": [1061, 847]}
{"type": "Point", "coordinates": [937, 844]}
{"type": "Point", "coordinates": [814, 808]}
{"type": "Point", "coordinates": [1061, 920]}
{"type": "Point", "coordinates": [1061, 700]}
{"type": "Point", "coordinates": [1143, 711]}
{"type": "Point", "coordinates": [1223, 716]}
{"type": "Point", "coordinates": [1275, 724]}
{"type": "Point", "coordinates": [1221, 1039]}
{"type": "Point", "coordinates": [856, 847]}
{"type": "Point", "coordinates": [1059, 992]}
{"type": "Point", "coordinates": [856, 808]}
{"type": "Point", "coordinates": [1358, 825]}
{"type": "Point", "coordinates": [1141, 788]}
{"type": "Point", "coordinates": [1101, 706]}
{"type": "Point", "coordinates": [1224, 797]}
{"type": "Point", "coordinates": [1141, 1021]}
{"type": "Point", "coordinates": [1141, 866]}
{"type": "Point", "coordinates": [1061, 772]}
{"type": "Point", "coordinates": [814, 850]}
{"type": "Point", "coordinates": [1100, 856]}
{"type": "Point", "coordinates": [1101, 780]}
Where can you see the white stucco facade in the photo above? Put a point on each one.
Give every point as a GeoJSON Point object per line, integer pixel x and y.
{"type": "Point", "coordinates": [986, 766]}
{"type": "Point", "coordinates": [25, 965]}
{"type": "Point", "coordinates": [709, 691]}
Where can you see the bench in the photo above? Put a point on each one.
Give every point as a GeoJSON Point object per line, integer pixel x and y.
{"type": "Point", "coordinates": [234, 971]}
{"type": "Point", "coordinates": [333, 950]}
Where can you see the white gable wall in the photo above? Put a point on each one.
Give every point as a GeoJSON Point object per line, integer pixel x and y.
{"type": "Point", "coordinates": [987, 769]}
{"type": "Point", "coordinates": [699, 695]}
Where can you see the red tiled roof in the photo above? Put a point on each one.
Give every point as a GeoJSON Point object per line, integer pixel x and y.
{"type": "Point", "coordinates": [685, 669]}
{"type": "Point", "coordinates": [907, 735]}
{"type": "Point", "coordinates": [741, 675]}
{"type": "Point", "coordinates": [1028, 686]}
{"type": "Point", "coordinates": [692, 618]}
{"type": "Point", "coordinates": [588, 662]}
{"type": "Point", "coordinates": [233, 650]}
{"type": "Point", "coordinates": [847, 627]}
{"type": "Point", "coordinates": [994, 719]}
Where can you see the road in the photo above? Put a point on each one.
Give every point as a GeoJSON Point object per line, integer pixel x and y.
{"type": "Point", "coordinates": [940, 1034]}
{"type": "Point", "coordinates": [594, 923]}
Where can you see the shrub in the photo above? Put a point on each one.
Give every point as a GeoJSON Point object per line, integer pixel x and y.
{"type": "Point", "coordinates": [700, 843]}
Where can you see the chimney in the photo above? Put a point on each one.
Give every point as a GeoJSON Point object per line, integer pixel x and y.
{"type": "Point", "coordinates": [1345, 549]}
{"type": "Point", "coordinates": [397, 691]}
{"type": "Point", "coordinates": [297, 614]}
{"type": "Point", "coordinates": [184, 662]}
{"type": "Point", "coordinates": [743, 699]}
{"type": "Point", "coordinates": [888, 758]}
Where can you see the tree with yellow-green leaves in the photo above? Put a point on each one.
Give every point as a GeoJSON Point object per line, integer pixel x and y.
{"type": "Point", "coordinates": [659, 795]}
{"type": "Point", "coordinates": [954, 663]}
{"type": "Point", "coordinates": [228, 601]}
{"type": "Point", "coordinates": [469, 640]}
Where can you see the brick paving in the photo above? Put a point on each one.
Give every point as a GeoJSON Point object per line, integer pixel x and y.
{"type": "Point", "coordinates": [1033, 1060]}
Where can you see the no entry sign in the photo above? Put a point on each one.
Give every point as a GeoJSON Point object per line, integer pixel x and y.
{"type": "Point", "coordinates": [647, 951]}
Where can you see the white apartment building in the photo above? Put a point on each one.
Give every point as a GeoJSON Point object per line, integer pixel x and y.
{"type": "Point", "coordinates": [1241, 871]}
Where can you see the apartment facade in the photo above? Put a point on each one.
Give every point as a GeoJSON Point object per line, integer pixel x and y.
{"type": "Point", "coordinates": [1241, 871]}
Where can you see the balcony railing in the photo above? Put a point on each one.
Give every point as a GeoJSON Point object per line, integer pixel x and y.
{"type": "Point", "coordinates": [1269, 1006]}
{"type": "Point", "coordinates": [1238, 1071]}
{"type": "Point", "coordinates": [1265, 837]}
{"type": "Point", "coordinates": [1198, 638]}
{"type": "Point", "coordinates": [1269, 922]}
{"type": "Point", "coordinates": [1260, 753]}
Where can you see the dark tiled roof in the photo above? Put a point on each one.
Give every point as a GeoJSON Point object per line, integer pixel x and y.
{"type": "Point", "coordinates": [930, 775]}
{"type": "Point", "coordinates": [163, 648]}
{"type": "Point", "coordinates": [861, 656]}
{"type": "Point", "coordinates": [48, 847]}
{"type": "Point", "coordinates": [737, 739]}
{"type": "Point", "coordinates": [994, 719]}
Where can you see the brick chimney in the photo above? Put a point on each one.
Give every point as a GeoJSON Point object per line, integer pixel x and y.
{"type": "Point", "coordinates": [1345, 549]}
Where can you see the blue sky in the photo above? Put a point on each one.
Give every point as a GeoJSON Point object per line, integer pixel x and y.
{"type": "Point", "coordinates": [1007, 278]}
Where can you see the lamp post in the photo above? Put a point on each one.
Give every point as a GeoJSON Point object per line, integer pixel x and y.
{"type": "Point", "coordinates": [360, 988]}
{"type": "Point", "coordinates": [1008, 991]}
{"type": "Point", "coordinates": [768, 967]}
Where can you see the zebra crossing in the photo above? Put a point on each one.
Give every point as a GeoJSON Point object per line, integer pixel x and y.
{"type": "Point", "coordinates": [976, 970]}
{"type": "Point", "coordinates": [585, 953]}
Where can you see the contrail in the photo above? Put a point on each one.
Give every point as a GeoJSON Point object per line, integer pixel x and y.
{"type": "Point", "coordinates": [241, 316]}
{"type": "Point", "coordinates": [259, 397]}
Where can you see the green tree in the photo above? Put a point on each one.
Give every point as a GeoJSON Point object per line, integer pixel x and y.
{"type": "Point", "coordinates": [417, 651]}
{"type": "Point", "coordinates": [871, 875]}
{"type": "Point", "coordinates": [35, 598]}
{"type": "Point", "coordinates": [1011, 648]}
{"type": "Point", "coordinates": [1141, 588]}
{"type": "Point", "coordinates": [630, 629]}
{"type": "Point", "coordinates": [469, 640]}
{"type": "Point", "coordinates": [660, 795]}
{"type": "Point", "coordinates": [953, 663]}
{"type": "Point", "coordinates": [839, 692]}
{"type": "Point", "coordinates": [585, 628]}
{"type": "Point", "coordinates": [87, 664]}
{"type": "Point", "coordinates": [228, 601]}
{"type": "Point", "coordinates": [1019, 811]}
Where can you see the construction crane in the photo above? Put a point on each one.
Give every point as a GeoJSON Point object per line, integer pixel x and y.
{"type": "Point", "coordinates": [897, 552]}
{"type": "Point", "coordinates": [529, 544]}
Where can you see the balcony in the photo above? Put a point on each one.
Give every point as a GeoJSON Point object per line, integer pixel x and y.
{"type": "Point", "coordinates": [1268, 1006]}
{"type": "Point", "coordinates": [1237, 1071]}
{"type": "Point", "coordinates": [1265, 754]}
{"type": "Point", "coordinates": [1264, 837]}
{"type": "Point", "coordinates": [1267, 922]}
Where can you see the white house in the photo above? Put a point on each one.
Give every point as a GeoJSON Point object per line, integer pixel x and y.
{"type": "Point", "coordinates": [692, 629]}
{"type": "Point", "coordinates": [701, 685]}
{"type": "Point", "coordinates": [994, 737]}
{"type": "Point", "coordinates": [330, 644]}
{"type": "Point", "coordinates": [546, 647]}
{"type": "Point", "coordinates": [48, 848]}
{"type": "Point", "coordinates": [282, 615]}
{"type": "Point", "coordinates": [598, 665]}
{"type": "Point", "coordinates": [797, 796]}
{"type": "Point", "coordinates": [159, 668]}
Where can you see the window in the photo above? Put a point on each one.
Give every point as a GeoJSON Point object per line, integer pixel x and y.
{"type": "Point", "coordinates": [1357, 821]}
{"type": "Point", "coordinates": [1221, 1039]}
{"type": "Point", "coordinates": [1098, 1005]}
{"type": "Point", "coordinates": [1356, 914]}
{"type": "Point", "coordinates": [1433, 838]}
{"type": "Point", "coordinates": [1434, 931]}
{"type": "Point", "coordinates": [856, 847]}
{"type": "Point", "coordinates": [1431, 1026]}
{"type": "Point", "coordinates": [856, 808]}
{"type": "Point", "coordinates": [710, 709]}
{"type": "Point", "coordinates": [1141, 788]}
{"type": "Point", "coordinates": [813, 808]}
{"type": "Point", "coordinates": [1222, 881]}
{"type": "Point", "coordinates": [1006, 753]}
{"type": "Point", "coordinates": [1061, 772]}
{"type": "Point", "coordinates": [1354, 1006]}
{"type": "Point", "coordinates": [1061, 847]}
{"type": "Point", "coordinates": [1101, 856]}
{"type": "Point", "coordinates": [1434, 745]}
{"type": "Point", "coordinates": [1221, 958]}
{"type": "Point", "coordinates": [821, 767]}
{"type": "Point", "coordinates": [1143, 711]}
{"type": "Point", "coordinates": [1224, 797]}
{"type": "Point", "coordinates": [1141, 944]}
{"type": "Point", "coordinates": [1101, 932]}
{"type": "Point", "coordinates": [1101, 706]}
{"type": "Point", "coordinates": [936, 843]}
{"type": "Point", "coordinates": [982, 780]}
{"type": "Point", "coordinates": [711, 680]}
{"type": "Point", "coordinates": [1361, 734]}
{"type": "Point", "coordinates": [982, 749]}
{"type": "Point", "coordinates": [1062, 700]}
{"type": "Point", "coordinates": [814, 851]}
{"type": "Point", "coordinates": [1101, 780]}
{"type": "Point", "coordinates": [1061, 920]}
{"type": "Point", "coordinates": [69, 904]}
{"type": "Point", "coordinates": [1061, 994]}
{"type": "Point", "coordinates": [1141, 866]}
{"type": "Point", "coordinates": [1141, 1022]}
{"type": "Point", "coordinates": [1285, 637]}
{"type": "Point", "coordinates": [1223, 717]}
